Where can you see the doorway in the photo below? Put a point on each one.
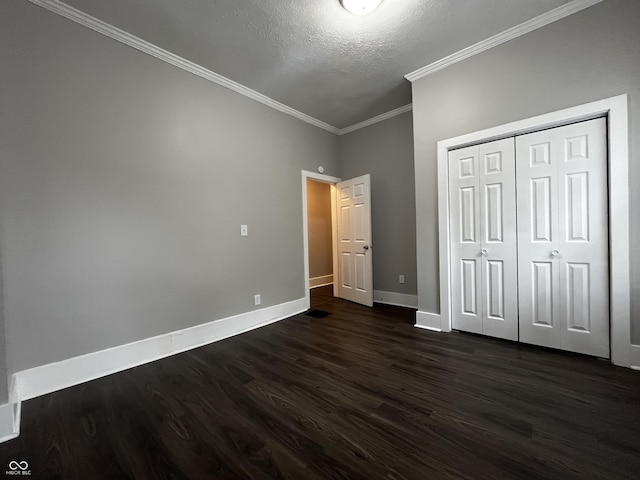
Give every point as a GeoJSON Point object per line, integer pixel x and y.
{"type": "Point", "coordinates": [351, 249]}
{"type": "Point", "coordinates": [320, 228]}
{"type": "Point", "coordinates": [312, 278]}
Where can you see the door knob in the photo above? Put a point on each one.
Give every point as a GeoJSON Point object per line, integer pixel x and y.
{"type": "Point", "coordinates": [555, 253]}
{"type": "Point", "coordinates": [366, 247]}
{"type": "Point", "coordinates": [485, 252]}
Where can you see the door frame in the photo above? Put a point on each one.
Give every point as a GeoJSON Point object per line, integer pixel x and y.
{"type": "Point", "coordinates": [615, 109]}
{"type": "Point", "coordinates": [319, 177]}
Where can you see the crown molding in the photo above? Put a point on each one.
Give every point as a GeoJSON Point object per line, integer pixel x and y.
{"type": "Point", "coordinates": [376, 119]}
{"type": "Point", "coordinates": [115, 33]}
{"type": "Point", "coordinates": [514, 32]}
{"type": "Point", "coordinates": [75, 15]}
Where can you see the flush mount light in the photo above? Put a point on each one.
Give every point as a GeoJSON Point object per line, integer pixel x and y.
{"type": "Point", "coordinates": [360, 7]}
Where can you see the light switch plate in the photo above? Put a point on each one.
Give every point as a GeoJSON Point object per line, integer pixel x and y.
{"type": "Point", "coordinates": [244, 230]}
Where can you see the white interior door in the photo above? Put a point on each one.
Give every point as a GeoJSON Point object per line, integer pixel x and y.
{"type": "Point", "coordinates": [355, 262]}
{"type": "Point", "coordinates": [483, 240]}
{"type": "Point", "coordinates": [563, 238]}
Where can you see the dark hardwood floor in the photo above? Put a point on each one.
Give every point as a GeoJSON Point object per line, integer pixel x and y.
{"type": "Point", "coordinates": [360, 394]}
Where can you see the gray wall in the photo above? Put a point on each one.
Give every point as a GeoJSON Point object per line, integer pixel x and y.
{"type": "Point", "coordinates": [319, 228]}
{"type": "Point", "coordinates": [124, 182]}
{"type": "Point", "coordinates": [588, 56]}
{"type": "Point", "coordinates": [4, 373]}
{"type": "Point", "coordinates": [385, 150]}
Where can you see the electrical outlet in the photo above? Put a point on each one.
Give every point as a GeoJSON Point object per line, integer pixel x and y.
{"type": "Point", "coordinates": [244, 230]}
{"type": "Point", "coordinates": [256, 299]}
{"type": "Point", "coordinates": [401, 278]}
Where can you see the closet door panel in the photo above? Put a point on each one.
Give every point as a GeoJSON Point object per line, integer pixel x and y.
{"type": "Point", "coordinates": [539, 276]}
{"type": "Point", "coordinates": [583, 241]}
{"type": "Point", "coordinates": [466, 281]}
{"type": "Point", "coordinates": [498, 235]}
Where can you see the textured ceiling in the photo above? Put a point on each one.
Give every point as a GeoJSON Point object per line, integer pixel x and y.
{"type": "Point", "coordinates": [312, 55]}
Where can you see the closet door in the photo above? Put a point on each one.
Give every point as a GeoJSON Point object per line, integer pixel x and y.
{"type": "Point", "coordinates": [563, 238]}
{"type": "Point", "coordinates": [483, 242]}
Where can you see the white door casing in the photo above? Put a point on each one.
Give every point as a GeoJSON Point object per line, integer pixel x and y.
{"type": "Point", "coordinates": [355, 262]}
{"type": "Point", "coordinates": [483, 240]}
{"type": "Point", "coordinates": [563, 238]}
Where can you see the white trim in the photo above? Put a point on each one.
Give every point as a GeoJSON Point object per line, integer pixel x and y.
{"type": "Point", "coordinates": [428, 321]}
{"type": "Point", "coordinates": [305, 228]}
{"type": "Point", "coordinates": [13, 394]}
{"type": "Point", "coordinates": [509, 34]}
{"type": "Point", "coordinates": [616, 110]}
{"type": "Point", "coordinates": [9, 421]}
{"type": "Point", "coordinates": [320, 177]}
{"type": "Point", "coordinates": [379, 118]}
{"type": "Point", "coordinates": [73, 371]}
{"type": "Point", "coordinates": [334, 236]}
{"type": "Point", "coordinates": [322, 281]}
{"type": "Point", "coordinates": [394, 298]}
{"type": "Point", "coordinates": [121, 36]}
{"type": "Point", "coordinates": [100, 26]}
{"type": "Point", "coordinates": [635, 357]}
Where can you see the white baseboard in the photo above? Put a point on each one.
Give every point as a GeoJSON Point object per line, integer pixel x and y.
{"type": "Point", "coordinates": [321, 281]}
{"type": "Point", "coordinates": [428, 321]}
{"type": "Point", "coordinates": [397, 299]}
{"type": "Point", "coordinates": [635, 357]}
{"type": "Point", "coordinates": [73, 371]}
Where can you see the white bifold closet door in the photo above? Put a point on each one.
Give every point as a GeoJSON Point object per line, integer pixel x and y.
{"type": "Point", "coordinates": [563, 238]}
{"type": "Point", "coordinates": [483, 239]}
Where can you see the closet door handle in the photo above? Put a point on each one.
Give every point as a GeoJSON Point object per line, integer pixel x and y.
{"type": "Point", "coordinates": [555, 253]}
{"type": "Point", "coordinates": [484, 252]}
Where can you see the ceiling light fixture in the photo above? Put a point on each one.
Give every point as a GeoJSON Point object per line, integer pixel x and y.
{"type": "Point", "coordinates": [360, 7]}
